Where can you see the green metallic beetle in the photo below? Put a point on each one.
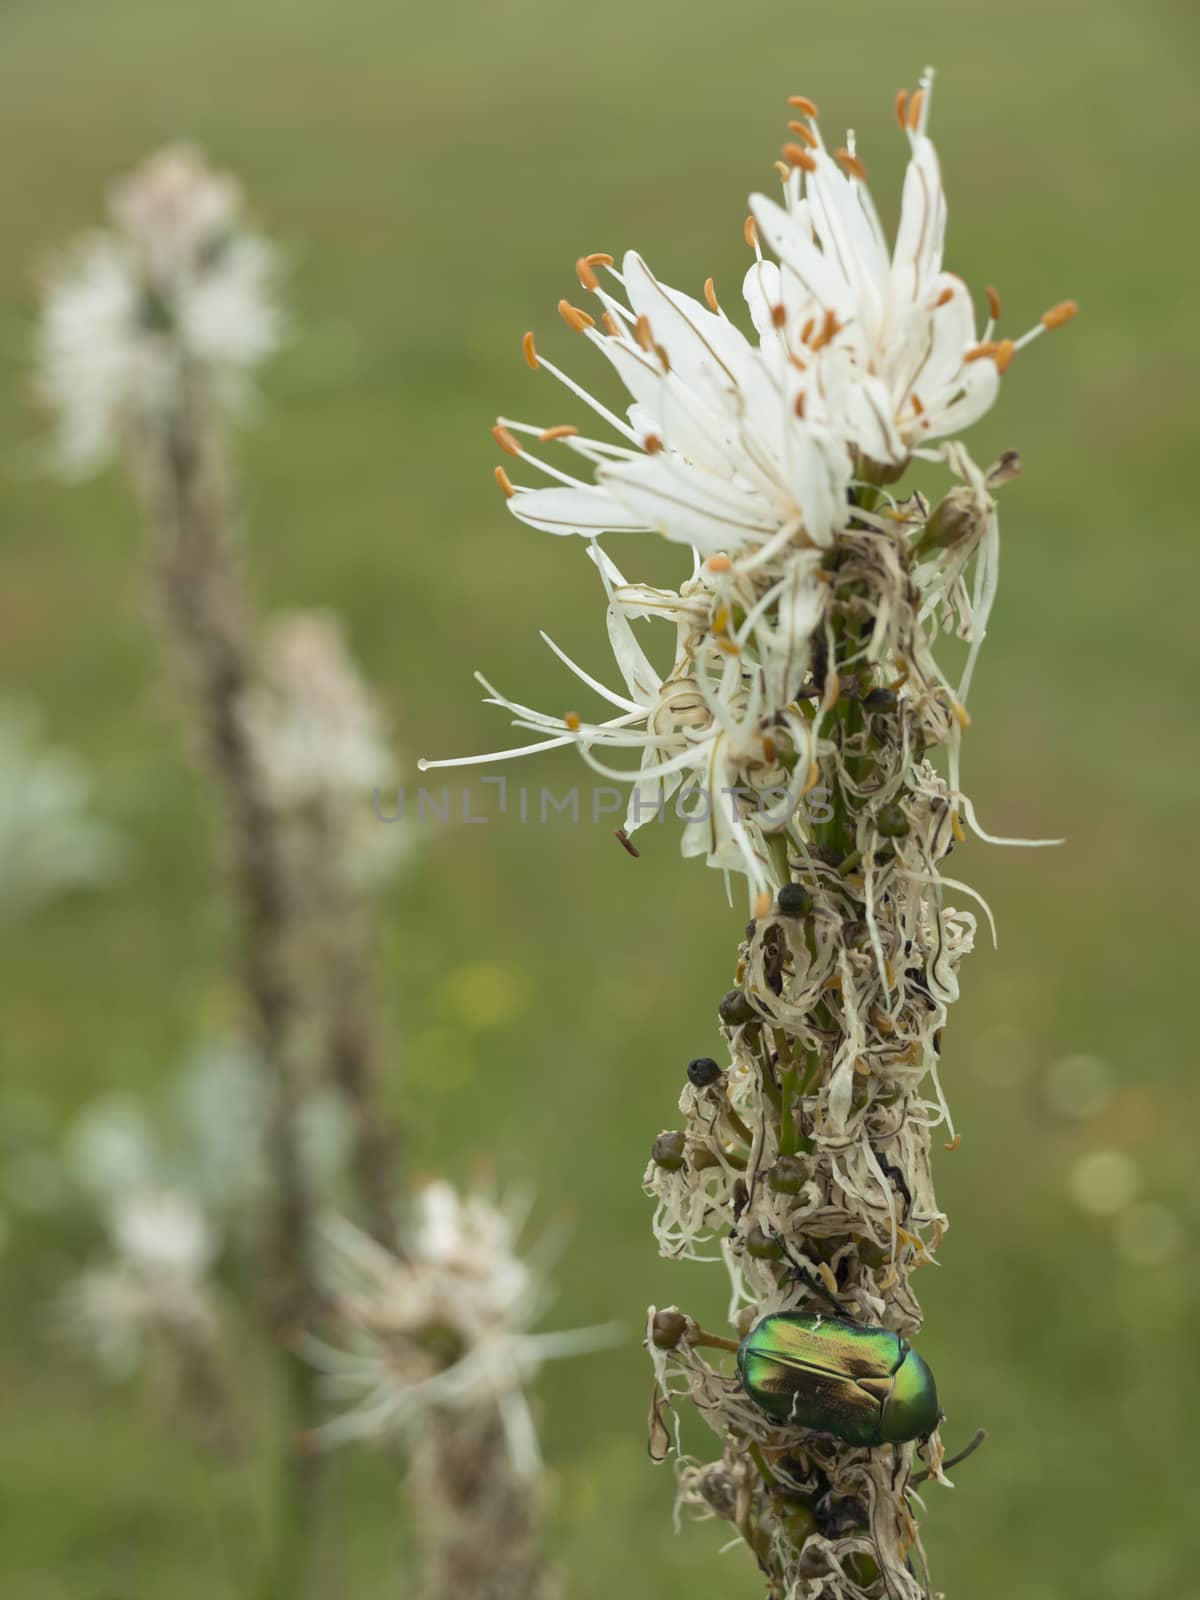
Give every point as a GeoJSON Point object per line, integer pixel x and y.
{"type": "Point", "coordinates": [867, 1386]}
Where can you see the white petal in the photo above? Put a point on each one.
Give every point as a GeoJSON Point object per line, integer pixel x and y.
{"type": "Point", "coordinates": [585, 511]}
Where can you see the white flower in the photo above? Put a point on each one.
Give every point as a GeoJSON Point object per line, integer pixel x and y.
{"type": "Point", "coordinates": [48, 841]}
{"type": "Point", "coordinates": [178, 282]}
{"type": "Point", "coordinates": [446, 1326]}
{"type": "Point", "coordinates": [162, 1231]}
{"type": "Point", "coordinates": [759, 454]}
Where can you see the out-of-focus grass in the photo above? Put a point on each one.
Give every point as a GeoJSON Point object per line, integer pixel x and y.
{"type": "Point", "coordinates": [438, 169]}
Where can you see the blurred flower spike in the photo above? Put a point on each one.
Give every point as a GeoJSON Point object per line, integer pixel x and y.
{"type": "Point", "coordinates": [446, 1329]}
{"type": "Point", "coordinates": [177, 290]}
{"type": "Point", "coordinates": [752, 452]}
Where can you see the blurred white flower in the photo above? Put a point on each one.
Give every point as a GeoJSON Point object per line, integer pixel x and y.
{"type": "Point", "coordinates": [155, 1283]}
{"type": "Point", "coordinates": [111, 1148]}
{"type": "Point", "coordinates": [177, 282]}
{"type": "Point", "coordinates": [446, 1327]}
{"type": "Point", "coordinates": [49, 842]}
{"type": "Point", "coordinates": [318, 736]}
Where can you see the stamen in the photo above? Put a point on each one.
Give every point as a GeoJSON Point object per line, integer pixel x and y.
{"type": "Point", "coordinates": [587, 278]}
{"type": "Point", "coordinates": [751, 232]}
{"type": "Point", "coordinates": [564, 430]}
{"type": "Point", "coordinates": [798, 404]}
{"type": "Point", "coordinates": [574, 318]}
{"type": "Point", "coordinates": [718, 563]}
{"type": "Point", "coordinates": [829, 330]}
{"type": "Point", "coordinates": [653, 444]}
{"type": "Point", "coordinates": [993, 300]}
{"type": "Point", "coordinates": [798, 156]}
{"type": "Point", "coordinates": [710, 294]}
{"type": "Point", "coordinates": [902, 108]}
{"type": "Point", "coordinates": [609, 323]}
{"type": "Point", "coordinates": [954, 1143]}
{"type": "Point", "coordinates": [803, 103]}
{"type": "Point", "coordinates": [1059, 314]}
{"type": "Point", "coordinates": [778, 316]}
{"type": "Point", "coordinates": [914, 110]}
{"type": "Point", "coordinates": [1005, 351]}
{"type": "Point", "coordinates": [641, 332]}
{"type": "Point", "coordinates": [770, 748]}
{"type": "Point", "coordinates": [505, 482]}
{"type": "Point", "coordinates": [506, 441]}
{"type": "Point", "coordinates": [762, 903]}
{"type": "Point", "coordinates": [944, 298]}
{"type": "Point", "coordinates": [782, 168]}
{"type": "Point", "coordinates": [849, 163]}
{"type": "Point", "coordinates": [573, 721]}
{"type": "Point", "coordinates": [916, 403]}
{"type": "Point", "coordinates": [977, 352]}
{"type": "Point", "coordinates": [804, 133]}
{"type": "Point", "coordinates": [530, 352]}
{"type": "Point", "coordinates": [807, 329]}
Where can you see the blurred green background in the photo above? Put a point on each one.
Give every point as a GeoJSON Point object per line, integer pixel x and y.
{"type": "Point", "coordinates": [435, 170]}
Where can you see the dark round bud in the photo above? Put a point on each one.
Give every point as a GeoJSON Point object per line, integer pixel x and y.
{"type": "Point", "coordinates": [703, 1071]}
{"type": "Point", "coordinates": [793, 900]}
{"type": "Point", "coordinates": [788, 1175]}
{"type": "Point", "coordinates": [828, 853]}
{"type": "Point", "coordinates": [892, 821]}
{"type": "Point", "coordinates": [667, 1329]}
{"type": "Point", "coordinates": [880, 700]}
{"type": "Point", "coordinates": [668, 1151]}
{"type": "Point", "coordinates": [761, 1246]}
{"type": "Point", "coordinates": [736, 1009]}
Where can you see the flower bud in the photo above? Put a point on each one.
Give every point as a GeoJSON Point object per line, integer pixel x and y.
{"type": "Point", "coordinates": [761, 1246]}
{"type": "Point", "coordinates": [788, 1175]}
{"type": "Point", "coordinates": [794, 900]}
{"type": "Point", "coordinates": [667, 1329]}
{"type": "Point", "coordinates": [892, 821]}
{"type": "Point", "coordinates": [703, 1072]}
{"type": "Point", "coordinates": [736, 1009]}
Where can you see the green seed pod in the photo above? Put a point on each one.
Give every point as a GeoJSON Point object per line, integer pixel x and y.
{"type": "Point", "coordinates": [667, 1329]}
{"type": "Point", "coordinates": [702, 1157]}
{"type": "Point", "coordinates": [892, 821]}
{"type": "Point", "coordinates": [762, 1247]}
{"type": "Point", "coordinates": [735, 1009]}
{"type": "Point", "coordinates": [794, 900]}
{"type": "Point", "coordinates": [788, 1175]}
{"type": "Point", "coordinates": [867, 1386]}
{"type": "Point", "coordinates": [669, 1149]}
{"type": "Point", "coordinates": [798, 1520]}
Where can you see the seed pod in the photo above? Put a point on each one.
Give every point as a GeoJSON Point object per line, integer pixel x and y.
{"type": "Point", "coordinates": [880, 700]}
{"type": "Point", "coordinates": [667, 1329]}
{"type": "Point", "coordinates": [794, 900]}
{"type": "Point", "coordinates": [668, 1151]}
{"type": "Point", "coordinates": [788, 1175]}
{"type": "Point", "coordinates": [703, 1072]}
{"type": "Point", "coordinates": [735, 1009]}
{"type": "Point", "coordinates": [892, 821]}
{"type": "Point", "coordinates": [762, 1247]}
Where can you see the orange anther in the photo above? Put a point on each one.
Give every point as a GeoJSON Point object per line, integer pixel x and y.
{"type": "Point", "coordinates": [751, 232]}
{"type": "Point", "coordinates": [505, 482]}
{"type": "Point", "coordinates": [609, 324]}
{"type": "Point", "coordinates": [803, 103]}
{"type": "Point", "coordinates": [798, 156]}
{"type": "Point", "coordinates": [916, 403]}
{"type": "Point", "coordinates": [718, 563]}
{"type": "Point", "coordinates": [506, 441]}
{"type": "Point", "coordinates": [770, 748]}
{"type": "Point", "coordinates": [993, 300]}
{"type": "Point", "coordinates": [1057, 315]}
{"type": "Point", "coordinates": [798, 404]}
{"type": "Point", "coordinates": [807, 329]}
{"type": "Point", "coordinates": [902, 107]}
{"type": "Point", "coordinates": [530, 352]}
{"type": "Point", "coordinates": [710, 294]}
{"type": "Point", "coordinates": [914, 109]}
{"type": "Point", "coordinates": [784, 171]}
{"type": "Point", "coordinates": [954, 1143]}
{"type": "Point", "coordinates": [804, 133]}
{"type": "Point", "coordinates": [1004, 354]}
{"type": "Point", "coordinates": [573, 721]}
{"type": "Point", "coordinates": [977, 352]}
{"type": "Point", "coordinates": [778, 316]}
{"type": "Point", "coordinates": [850, 164]}
{"type": "Point", "coordinates": [574, 318]}
{"type": "Point", "coordinates": [641, 332]}
{"type": "Point", "coordinates": [564, 430]}
{"type": "Point", "coordinates": [762, 904]}
{"type": "Point", "coordinates": [652, 444]}
{"type": "Point", "coordinates": [944, 298]}
{"type": "Point", "coordinates": [829, 330]}
{"type": "Point", "coordinates": [583, 271]}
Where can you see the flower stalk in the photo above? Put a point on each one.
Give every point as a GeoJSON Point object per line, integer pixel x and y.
{"type": "Point", "coordinates": [809, 732]}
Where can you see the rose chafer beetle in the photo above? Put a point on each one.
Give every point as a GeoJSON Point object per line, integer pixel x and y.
{"type": "Point", "coordinates": [867, 1386]}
